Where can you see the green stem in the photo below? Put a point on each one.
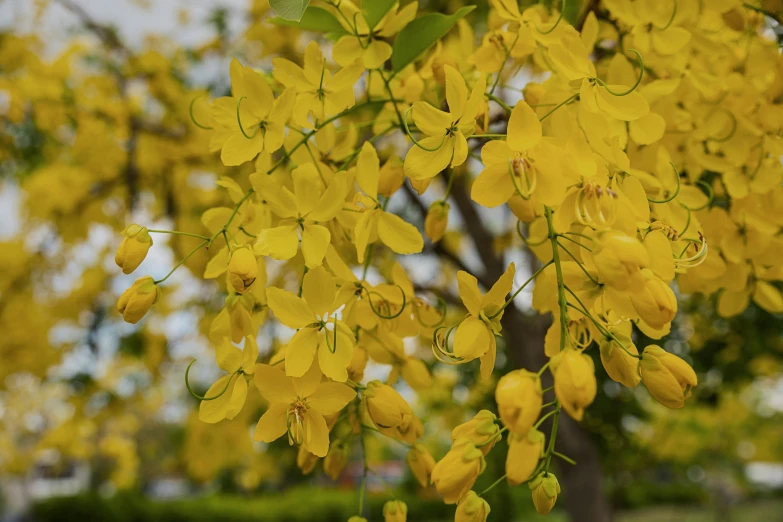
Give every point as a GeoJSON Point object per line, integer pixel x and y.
{"type": "Point", "coordinates": [177, 232]}
{"type": "Point", "coordinates": [568, 100]}
{"type": "Point", "coordinates": [498, 481]}
{"type": "Point", "coordinates": [561, 297]}
{"type": "Point", "coordinates": [202, 245]}
{"type": "Point", "coordinates": [499, 102]}
{"type": "Point", "coordinates": [503, 65]}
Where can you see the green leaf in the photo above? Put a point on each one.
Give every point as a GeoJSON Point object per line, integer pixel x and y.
{"type": "Point", "coordinates": [374, 10]}
{"type": "Point", "coordinates": [421, 34]}
{"type": "Point", "coordinates": [314, 19]}
{"type": "Point", "coordinates": [289, 9]}
{"type": "Point", "coordinates": [574, 10]}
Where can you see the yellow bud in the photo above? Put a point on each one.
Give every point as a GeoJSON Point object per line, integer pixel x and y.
{"type": "Point", "coordinates": [133, 249]}
{"type": "Point", "coordinates": [416, 374]}
{"type": "Point", "coordinates": [619, 259]}
{"type": "Point", "coordinates": [545, 489]}
{"type": "Point", "coordinates": [519, 398]}
{"type": "Point", "coordinates": [138, 299]}
{"type": "Point", "coordinates": [395, 511]}
{"type": "Point", "coordinates": [620, 365]}
{"type": "Point", "coordinates": [471, 508]}
{"type": "Point", "coordinates": [655, 302]}
{"type": "Point", "coordinates": [386, 408]}
{"type": "Point", "coordinates": [575, 384]}
{"type": "Point", "coordinates": [524, 452]}
{"type": "Point", "coordinates": [357, 518]}
{"type": "Point", "coordinates": [336, 459]}
{"type": "Point", "coordinates": [437, 220]}
{"type": "Point", "coordinates": [455, 474]}
{"type": "Point", "coordinates": [421, 464]}
{"type": "Point", "coordinates": [358, 364]}
{"type": "Point", "coordinates": [481, 430]}
{"type": "Point", "coordinates": [534, 92]}
{"type": "Point", "coordinates": [668, 378]}
{"type": "Point", "coordinates": [242, 269]}
{"type": "Point", "coordinates": [305, 460]}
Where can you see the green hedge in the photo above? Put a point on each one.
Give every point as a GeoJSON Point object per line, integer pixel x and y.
{"type": "Point", "coordinates": [299, 505]}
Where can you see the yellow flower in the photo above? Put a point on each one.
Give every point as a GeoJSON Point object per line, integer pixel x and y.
{"type": "Point", "coordinates": [545, 489]}
{"type": "Point", "coordinates": [475, 336]}
{"type": "Point", "coordinates": [253, 106]}
{"type": "Point", "coordinates": [575, 384]}
{"type": "Point", "coordinates": [619, 365]}
{"type": "Point", "coordinates": [421, 463]}
{"type": "Point", "coordinates": [519, 397]}
{"type": "Point", "coordinates": [455, 474]}
{"type": "Point", "coordinates": [395, 511]}
{"type": "Point", "coordinates": [619, 259]}
{"type": "Point", "coordinates": [655, 303]}
{"type": "Point", "coordinates": [242, 269]}
{"type": "Point", "coordinates": [437, 221]}
{"type": "Point", "coordinates": [232, 388]}
{"type": "Point", "coordinates": [481, 430]}
{"type": "Point", "coordinates": [374, 222]}
{"type": "Point", "coordinates": [367, 43]}
{"type": "Point", "coordinates": [319, 330]}
{"type": "Point", "coordinates": [668, 378]}
{"type": "Point", "coordinates": [571, 60]}
{"type": "Point", "coordinates": [446, 132]}
{"type": "Point", "coordinates": [138, 299]}
{"type": "Point", "coordinates": [297, 406]}
{"type": "Point", "coordinates": [387, 410]}
{"type": "Point", "coordinates": [305, 212]}
{"type": "Point", "coordinates": [317, 91]}
{"type": "Point", "coordinates": [133, 249]}
{"type": "Point", "coordinates": [336, 459]}
{"type": "Point", "coordinates": [472, 508]}
{"type": "Point", "coordinates": [524, 452]}
{"type": "Point", "coordinates": [523, 164]}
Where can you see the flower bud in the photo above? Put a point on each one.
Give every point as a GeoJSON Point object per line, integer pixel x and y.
{"type": "Point", "coordinates": [357, 518]}
{"type": "Point", "coordinates": [242, 269]}
{"type": "Point", "coordinates": [305, 461]}
{"type": "Point", "coordinates": [524, 452]}
{"type": "Point", "coordinates": [421, 463]}
{"type": "Point", "coordinates": [655, 302]}
{"type": "Point", "coordinates": [138, 299]}
{"type": "Point", "coordinates": [386, 408]}
{"type": "Point", "coordinates": [619, 364]}
{"type": "Point", "coordinates": [395, 511]}
{"type": "Point", "coordinates": [668, 378]}
{"type": "Point", "coordinates": [437, 220]}
{"type": "Point", "coordinates": [619, 259]}
{"type": "Point", "coordinates": [133, 249]}
{"type": "Point", "coordinates": [416, 374]}
{"type": "Point", "coordinates": [575, 384]}
{"type": "Point", "coordinates": [336, 459]}
{"type": "Point", "coordinates": [545, 488]}
{"type": "Point", "coordinates": [481, 430]}
{"type": "Point", "coordinates": [519, 398]}
{"type": "Point", "coordinates": [455, 474]}
{"type": "Point", "coordinates": [471, 508]}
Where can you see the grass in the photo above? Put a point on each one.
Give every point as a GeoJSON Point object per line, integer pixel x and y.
{"type": "Point", "coordinates": [760, 511]}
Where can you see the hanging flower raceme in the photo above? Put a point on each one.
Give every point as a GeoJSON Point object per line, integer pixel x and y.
{"type": "Point", "coordinates": [297, 406]}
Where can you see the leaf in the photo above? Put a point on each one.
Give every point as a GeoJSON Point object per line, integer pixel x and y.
{"type": "Point", "coordinates": [374, 10]}
{"type": "Point", "coordinates": [314, 19]}
{"type": "Point", "coordinates": [289, 9]}
{"type": "Point", "coordinates": [574, 11]}
{"type": "Point", "coordinates": [421, 34]}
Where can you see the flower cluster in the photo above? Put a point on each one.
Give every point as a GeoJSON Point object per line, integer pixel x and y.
{"type": "Point", "coordinates": [639, 138]}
